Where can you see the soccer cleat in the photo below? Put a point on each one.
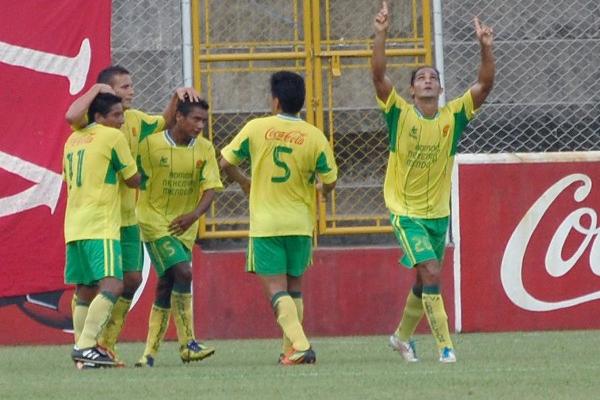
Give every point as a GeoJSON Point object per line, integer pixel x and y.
{"type": "Point", "coordinates": [195, 351]}
{"type": "Point", "coordinates": [146, 361]}
{"type": "Point", "coordinates": [111, 353]}
{"type": "Point", "coordinates": [85, 365]}
{"type": "Point", "coordinates": [407, 350]}
{"type": "Point", "coordinates": [298, 357]}
{"type": "Point", "coordinates": [447, 355]}
{"type": "Point", "coordinates": [92, 357]}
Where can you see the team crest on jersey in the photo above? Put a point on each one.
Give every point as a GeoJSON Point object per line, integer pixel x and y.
{"type": "Point", "coordinates": [164, 161]}
{"type": "Point", "coordinates": [414, 132]}
{"type": "Point", "coordinates": [199, 164]}
{"type": "Point", "coordinates": [446, 130]}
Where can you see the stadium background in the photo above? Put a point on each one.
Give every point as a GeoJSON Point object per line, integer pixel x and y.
{"type": "Point", "coordinates": [546, 99]}
{"type": "Point", "coordinates": [546, 96]}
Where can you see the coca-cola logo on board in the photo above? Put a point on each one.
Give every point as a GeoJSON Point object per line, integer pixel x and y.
{"type": "Point", "coordinates": [511, 272]}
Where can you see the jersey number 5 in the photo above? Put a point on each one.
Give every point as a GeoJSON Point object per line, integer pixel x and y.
{"type": "Point", "coordinates": [78, 166]}
{"type": "Point", "coordinates": [277, 152]}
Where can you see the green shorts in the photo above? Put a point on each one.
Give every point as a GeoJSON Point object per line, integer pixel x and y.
{"type": "Point", "coordinates": [279, 255]}
{"type": "Point", "coordinates": [89, 261]}
{"type": "Point", "coordinates": [166, 252]}
{"type": "Point", "coordinates": [421, 239]}
{"type": "Point", "coordinates": [131, 249]}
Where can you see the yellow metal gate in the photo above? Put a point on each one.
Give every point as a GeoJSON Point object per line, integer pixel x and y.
{"type": "Point", "coordinates": [238, 44]}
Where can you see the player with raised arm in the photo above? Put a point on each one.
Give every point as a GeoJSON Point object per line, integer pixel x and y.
{"type": "Point", "coordinates": [96, 161]}
{"type": "Point", "coordinates": [179, 178]}
{"type": "Point", "coordinates": [137, 125]}
{"type": "Point", "coordinates": [423, 140]}
{"type": "Point", "coordinates": [286, 156]}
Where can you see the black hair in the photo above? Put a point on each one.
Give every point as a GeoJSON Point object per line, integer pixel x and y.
{"type": "Point", "coordinates": [288, 87]}
{"type": "Point", "coordinates": [413, 75]}
{"type": "Point", "coordinates": [102, 104]}
{"type": "Point", "coordinates": [106, 75]}
{"type": "Point", "coordinates": [184, 107]}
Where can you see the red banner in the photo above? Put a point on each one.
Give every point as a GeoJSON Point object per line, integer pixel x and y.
{"type": "Point", "coordinates": [529, 237]}
{"type": "Point", "coordinates": [50, 53]}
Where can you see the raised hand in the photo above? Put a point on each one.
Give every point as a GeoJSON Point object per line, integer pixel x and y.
{"type": "Point", "coordinates": [484, 33]}
{"type": "Point", "coordinates": [382, 19]}
{"type": "Point", "coordinates": [187, 93]}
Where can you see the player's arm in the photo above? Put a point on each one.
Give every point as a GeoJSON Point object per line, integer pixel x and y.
{"type": "Point", "coordinates": [76, 114]}
{"type": "Point", "coordinates": [134, 181]}
{"type": "Point", "coordinates": [124, 164]}
{"type": "Point", "coordinates": [180, 94]}
{"type": "Point", "coordinates": [383, 84]}
{"type": "Point", "coordinates": [325, 188]}
{"type": "Point", "coordinates": [182, 223]}
{"type": "Point", "coordinates": [487, 69]}
{"type": "Point", "coordinates": [235, 173]}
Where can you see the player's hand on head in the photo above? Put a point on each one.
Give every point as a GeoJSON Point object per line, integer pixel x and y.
{"type": "Point", "coordinates": [485, 34]}
{"type": "Point", "coordinates": [104, 88]}
{"type": "Point", "coordinates": [187, 93]}
{"type": "Point", "coordinates": [382, 19]}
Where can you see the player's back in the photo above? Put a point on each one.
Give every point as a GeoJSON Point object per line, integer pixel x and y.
{"type": "Point", "coordinates": [284, 153]}
{"type": "Point", "coordinates": [92, 185]}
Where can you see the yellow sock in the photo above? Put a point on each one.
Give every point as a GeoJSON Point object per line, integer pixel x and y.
{"type": "Point", "coordinates": [413, 312]}
{"type": "Point", "coordinates": [287, 318]}
{"type": "Point", "coordinates": [438, 320]}
{"type": "Point", "coordinates": [113, 327]}
{"type": "Point", "coordinates": [80, 312]}
{"type": "Point", "coordinates": [297, 297]}
{"type": "Point", "coordinates": [181, 304]}
{"type": "Point", "coordinates": [157, 327]}
{"type": "Point", "coordinates": [98, 314]}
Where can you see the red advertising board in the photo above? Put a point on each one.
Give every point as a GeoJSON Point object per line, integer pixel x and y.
{"type": "Point", "coordinates": [50, 53]}
{"type": "Point", "coordinates": [359, 291]}
{"type": "Point", "coordinates": [529, 241]}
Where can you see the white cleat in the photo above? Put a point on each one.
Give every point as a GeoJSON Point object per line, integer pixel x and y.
{"type": "Point", "coordinates": [406, 349]}
{"type": "Point", "coordinates": [447, 355]}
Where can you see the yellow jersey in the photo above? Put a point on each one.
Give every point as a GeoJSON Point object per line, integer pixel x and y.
{"type": "Point", "coordinates": [94, 160]}
{"type": "Point", "coordinates": [286, 154]}
{"type": "Point", "coordinates": [173, 180]}
{"type": "Point", "coordinates": [422, 150]}
{"type": "Point", "coordinates": [136, 127]}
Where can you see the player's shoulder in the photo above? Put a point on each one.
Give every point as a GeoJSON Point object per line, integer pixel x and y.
{"type": "Point", "coordinates": [156, 138]}
{"type": "Point", "coordinates": [203, 143]}
{"type": "Point", "coordinates": [103, 131]}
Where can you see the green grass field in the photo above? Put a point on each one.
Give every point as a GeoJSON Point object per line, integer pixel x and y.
{"type": "Point", "coordinates": [549, 365]}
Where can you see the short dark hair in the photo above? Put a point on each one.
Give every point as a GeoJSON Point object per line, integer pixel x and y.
{"type": "Point", "coordinates": [184, 107]}
{"type": "Point", "coordinates": [102, 104]}
{"type": "Point", "coordinates": [413, 75]}
{"type": "Point", "coordinates": [288, 87]}
{"type": "Point", "coordinates": [106, 75]}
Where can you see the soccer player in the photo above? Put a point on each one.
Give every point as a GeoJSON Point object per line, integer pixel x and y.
{"type": "Point", "coordinates": [96, 158]}
{"type": "Point", "coordinates": [286, 156]}
{"type": "Point", "coordinates": [137, 125]}
{"type": "Point", "coordinates": [179, 178]}
{"type": "Point", "coordinates": [422, 141]}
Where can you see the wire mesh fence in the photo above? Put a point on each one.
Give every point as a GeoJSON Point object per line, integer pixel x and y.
{"type": "Point", "coordinates": [546, 96]}
{"type": "Point", "coordinates": [547, 91]}
{"type": "Point", "coordinates": [146, 39]}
